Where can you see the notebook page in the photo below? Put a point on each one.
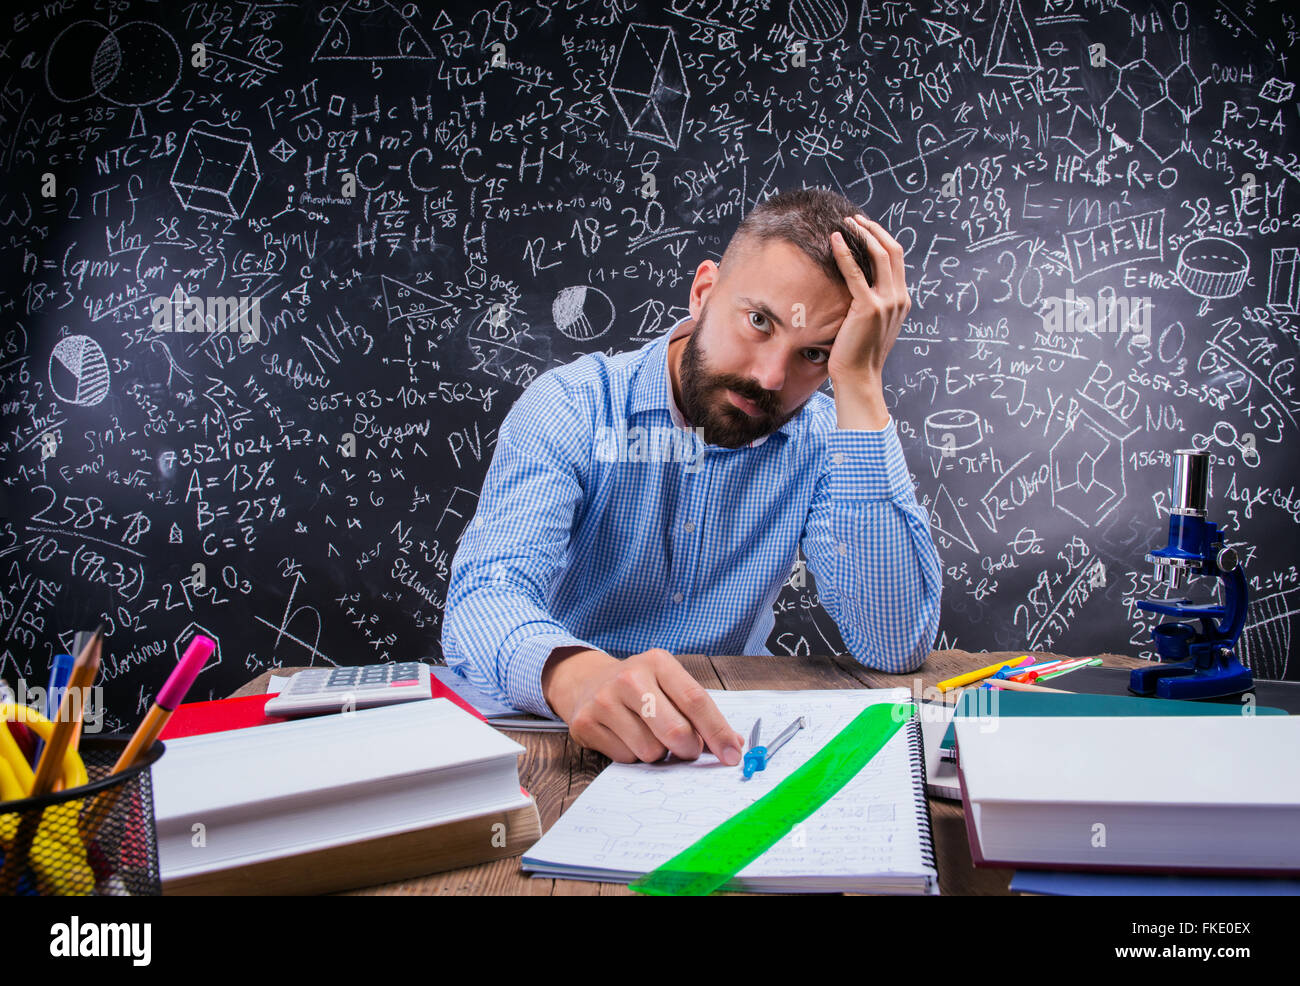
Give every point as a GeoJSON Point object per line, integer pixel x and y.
{"type": "Point", "coordinates": [633, 817]}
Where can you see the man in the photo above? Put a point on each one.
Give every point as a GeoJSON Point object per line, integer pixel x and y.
{"type": "Point", "coordinates": [591, 560]}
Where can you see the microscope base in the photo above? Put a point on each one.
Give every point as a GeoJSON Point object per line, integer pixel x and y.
{"type": "Point", "coordinates": [1187, 681]}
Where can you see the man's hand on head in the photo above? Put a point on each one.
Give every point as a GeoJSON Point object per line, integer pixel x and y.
{"type": "Point", "coordinates": [871, 327]}
{"type": "Point", "coordinates": [639, 708]}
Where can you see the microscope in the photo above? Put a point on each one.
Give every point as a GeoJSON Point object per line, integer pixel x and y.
{"type": "Point", "coordinates": [1207, 667]}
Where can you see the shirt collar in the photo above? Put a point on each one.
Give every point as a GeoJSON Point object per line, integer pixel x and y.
{"type": "Point", "coordinates": [652, 387]}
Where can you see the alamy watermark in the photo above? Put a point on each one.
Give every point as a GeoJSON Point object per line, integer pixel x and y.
{"type": "Point", "coordinates": [85, 704]}
{"type": "Point", "coordinates": [657, 443]}
{"type": "Point", "coordinates": [1105, 313]}
{"type": "Point", "coordinates": [193, 313]}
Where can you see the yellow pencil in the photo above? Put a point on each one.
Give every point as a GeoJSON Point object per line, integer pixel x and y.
{"type": "Point", "coordinates": [51, 762]}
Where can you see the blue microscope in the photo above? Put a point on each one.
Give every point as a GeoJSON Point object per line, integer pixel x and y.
{"type": "Point", "coordinates": [1207, 666]}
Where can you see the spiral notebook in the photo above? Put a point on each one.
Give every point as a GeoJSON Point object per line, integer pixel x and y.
{"type": "Point", "coordinates": [873, 836]}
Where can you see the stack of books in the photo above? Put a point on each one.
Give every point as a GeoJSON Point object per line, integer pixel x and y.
{"type": "Point", "coordinates": [338, 801]}
{"type": "Point", "coordinates": [1207, 795]}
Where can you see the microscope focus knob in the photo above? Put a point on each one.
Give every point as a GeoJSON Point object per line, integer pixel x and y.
{"type": "Point", "coordinates": [1227, 559]}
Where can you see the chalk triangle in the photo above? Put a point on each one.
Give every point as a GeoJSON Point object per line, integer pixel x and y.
{"type": "Point", "coordinates": [946, 519]}
{"type": "Point", "coordinates": [942, 33]}
{"type": "Point", "coordinates": [870, 112]}
{"type": "Point", "coordinates": [1012, 52]}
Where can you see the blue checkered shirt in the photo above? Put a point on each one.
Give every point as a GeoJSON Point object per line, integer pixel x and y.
{"type": "Point", "coordinates": [602, 523]}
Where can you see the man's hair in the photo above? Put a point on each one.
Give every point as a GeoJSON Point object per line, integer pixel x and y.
{"type": "Point", "coordinates": [805, 218]}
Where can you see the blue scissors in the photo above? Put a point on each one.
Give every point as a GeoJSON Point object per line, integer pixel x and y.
{"type": "Point", "coordinates": [757, 756]}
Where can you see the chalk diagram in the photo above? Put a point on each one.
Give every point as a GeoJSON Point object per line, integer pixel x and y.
{"type": "Point", "coordinates": [1266, 640]}
{"type": "Point", "coordinates": [1012, 53]}
{"type": "Point", "coordinates": [912, 174]}
{"type": "Point", "coordinates": [1277, 90]}
{"type": "Point", "coordinates": [1087, 470]}
{"type": "Point", "coordinates": [947, 521]}
{"type": "Point", "coordinates": [134, 64]}
{"type": "Point", "coordinates": [371, 31]}
{"type": "Point", "coordinates": [813, 142]}
{"type": "Point", "coordinates": [953, 430]}
{"type": "Point", "coordinates": [79, 371]}
{"type": "Point", "coordinates": [818, 20]}
{"type": "Point", "coordinates": [215, 174]}
{"type": "Point", "coordinates": [1212, 267]}
{"type": "Point", "coordinates": [404, 303]}
{"type": "Point", "coordinates": [648, 84]}
{"type": "Point", "coordinates": [582, 312]}
{"type": "Point", "coordinates": [1284, 279]}
{"type": "Point", "coordinates": [868, 110]}
{"type": "Point", "coordinates": [182, 641]}
{"type": "Point", "coordinates": [1151, 108]}
{"type": "Point", "coordinates": [283, 150]}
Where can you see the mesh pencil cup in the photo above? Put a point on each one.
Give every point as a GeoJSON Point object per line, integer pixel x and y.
{"type": "Point", "coordinates": [97, 839]}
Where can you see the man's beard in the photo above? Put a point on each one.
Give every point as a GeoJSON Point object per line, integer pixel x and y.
{"type": "Point", "coordinates": [706, 405]}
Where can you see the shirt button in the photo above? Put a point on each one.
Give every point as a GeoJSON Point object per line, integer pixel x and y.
{"type": "Point", "coordinates": [837, 458]}
{"type": "Point", "coordinates": [842, 548]}
{"type": "Point", "coordinates": [677, 597]}
{"type": "Point", "coordinates": [689, 526]}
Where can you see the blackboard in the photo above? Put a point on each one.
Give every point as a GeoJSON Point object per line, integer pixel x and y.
{"type": "Point", "coordinates": [429, 206]}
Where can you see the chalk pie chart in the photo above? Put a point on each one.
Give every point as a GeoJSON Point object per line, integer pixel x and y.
{"type": "Point", "coordinates": [582, 312]}
{"type": "Point", "coordinates": [79, 371]}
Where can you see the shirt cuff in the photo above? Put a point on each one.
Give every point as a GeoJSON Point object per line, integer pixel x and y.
{"type": "Point", "coordinates": [867, 465]}
{"type": "Point", "coordinates": [523, 678]}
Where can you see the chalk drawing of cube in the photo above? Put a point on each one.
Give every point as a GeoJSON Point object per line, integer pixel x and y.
{"type": "Point", "coordinates": [215, 174]}
{"type": "Point", "coordinates": [649, 84]}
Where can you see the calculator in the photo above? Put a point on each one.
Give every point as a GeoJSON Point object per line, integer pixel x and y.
{"type": "Point", "coordinates": [318, 690]}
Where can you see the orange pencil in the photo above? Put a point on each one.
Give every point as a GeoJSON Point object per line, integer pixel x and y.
{"type": "Point", "coordinates": [146, 734]}
{"type": "Point", "coordinates": [74, 743]}
{"type": "Point", "coordinates": [172, 694]}
{"type": "Point", "coordinates": [83, 676]}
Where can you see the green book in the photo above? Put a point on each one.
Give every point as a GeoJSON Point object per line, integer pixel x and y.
{"type": "Point", "coordinates": [978, 703]}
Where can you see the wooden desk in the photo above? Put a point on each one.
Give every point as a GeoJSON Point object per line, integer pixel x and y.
{"type": "Point", "coordinates": [555, 770]}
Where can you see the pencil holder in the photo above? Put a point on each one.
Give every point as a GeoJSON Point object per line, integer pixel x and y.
{"type": "Point", "coordinates": [97, 839]}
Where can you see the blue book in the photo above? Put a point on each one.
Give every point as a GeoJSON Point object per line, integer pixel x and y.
{"type": "Point", "coordinates": [1060, 883]}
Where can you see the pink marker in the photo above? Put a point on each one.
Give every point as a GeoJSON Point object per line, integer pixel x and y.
{"type": "Point", "coordinates": [172, 695]}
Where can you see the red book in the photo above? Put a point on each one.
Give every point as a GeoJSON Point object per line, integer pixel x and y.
{"type": "Point", "coordinates": [197, 718]}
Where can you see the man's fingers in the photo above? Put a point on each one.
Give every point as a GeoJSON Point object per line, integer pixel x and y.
{"type": "Point", "coordinates": [602, 738]}
{"type": "Point", "coordinates": [853, 274]}
{"type": "Point", "coordinates": [629, 727]}
{"type": "Point", "coordinates": [648, 702]}
{"type": "Point", "coordinates": [882, 263]}
{"type": "Point", "coordinates": [895, 250]}
{"type": "Point", "coordinates": [694, 703]}
{"type": "Point", "coordinates": [639, 690]}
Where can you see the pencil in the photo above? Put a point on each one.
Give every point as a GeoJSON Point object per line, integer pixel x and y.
{"type": "Point", "coordinates": [83, 676]}
{"type": "Point", "coordinates": [172, 694]}
{"type": "Point", "coordinates": [75, 743]}
{"type": "Point", "coordinates": [51, 762]}
{"type": "Point", "coordinates": [1020, 686]}
{"type": "Point", "coordinates": [973, 676]}
{"type": "Point", "coordinates": [146, 734]}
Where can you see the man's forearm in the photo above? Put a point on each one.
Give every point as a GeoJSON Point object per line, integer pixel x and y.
{"type": "Point", "coordinates": [860, 405]}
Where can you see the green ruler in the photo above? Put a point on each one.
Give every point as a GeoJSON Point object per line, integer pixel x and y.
{"type": "Point", "coordinates": [717, 857]}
